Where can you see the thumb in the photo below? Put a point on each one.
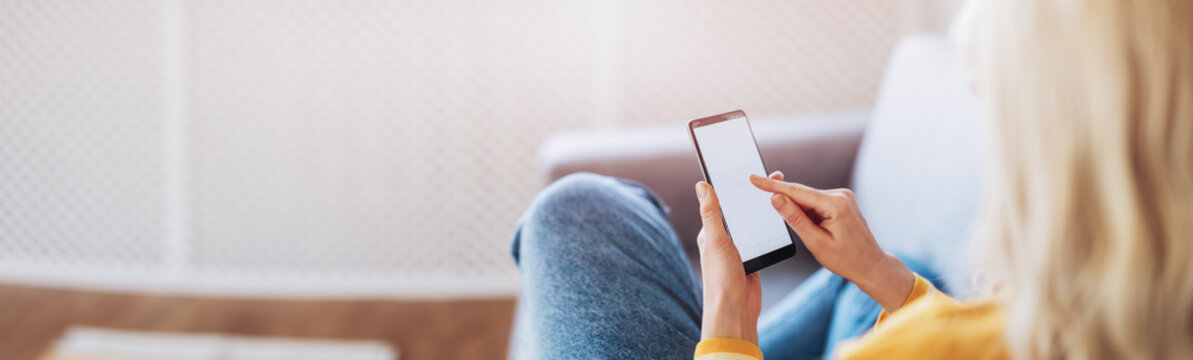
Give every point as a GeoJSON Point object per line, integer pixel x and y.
{"type": "Point", "coordinates": [710, 209]}
{"type": "Point", "coordinates": [713, 241]}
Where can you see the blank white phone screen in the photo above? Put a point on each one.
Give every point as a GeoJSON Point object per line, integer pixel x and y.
{"type": "Point", "coordinates": [730, 156]}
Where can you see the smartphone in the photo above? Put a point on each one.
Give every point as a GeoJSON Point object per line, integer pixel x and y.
{"type": "Point", "coordinates": [728, 154]}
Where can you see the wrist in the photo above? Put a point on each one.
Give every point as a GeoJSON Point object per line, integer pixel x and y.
{"type": "Point", "coordinates": [724, 319]}
{"type": "Point", "coordinates": [887, 281]}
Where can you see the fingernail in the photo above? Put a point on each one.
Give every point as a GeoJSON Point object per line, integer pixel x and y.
{"type": "Point", "coordinates": [700, 190]}
{"type": "Point", "coordinates": [755, 177]}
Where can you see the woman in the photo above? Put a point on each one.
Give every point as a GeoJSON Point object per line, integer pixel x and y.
{"type": "Point", "coordinates": [1087, 225]}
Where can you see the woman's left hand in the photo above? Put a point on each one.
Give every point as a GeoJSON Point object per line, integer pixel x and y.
{"type": "Point", "coordinates": [732, 299]}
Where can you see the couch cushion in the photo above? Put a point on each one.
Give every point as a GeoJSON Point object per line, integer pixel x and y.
{"type": "Point", "coordinates": [917, 173]}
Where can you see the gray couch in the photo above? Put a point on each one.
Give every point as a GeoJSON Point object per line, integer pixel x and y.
{"type": "Point", "coordinates": [912, 161]}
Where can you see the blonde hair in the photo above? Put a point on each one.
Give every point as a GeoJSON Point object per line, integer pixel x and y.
{"type": "Point", "coordinates": [1087, 224]}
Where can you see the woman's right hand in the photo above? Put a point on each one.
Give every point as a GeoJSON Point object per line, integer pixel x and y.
{"type": "Point", "coordinates": [832, 228]}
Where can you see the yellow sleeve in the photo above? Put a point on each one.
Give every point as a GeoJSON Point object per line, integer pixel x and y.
{"type": "Point", "coordinates": [931, 325]}
{"type": "Point", "coordinates": [727, 349]}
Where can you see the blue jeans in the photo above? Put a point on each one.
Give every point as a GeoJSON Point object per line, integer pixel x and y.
{"type": "Point", "coordinates": [603, 276]}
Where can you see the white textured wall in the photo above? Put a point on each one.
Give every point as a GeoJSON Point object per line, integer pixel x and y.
{"type": "Point", "coordinates": [359, 147]}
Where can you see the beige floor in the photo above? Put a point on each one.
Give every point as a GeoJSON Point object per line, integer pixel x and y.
{"type": "Point", "coordinates": [32, 318]}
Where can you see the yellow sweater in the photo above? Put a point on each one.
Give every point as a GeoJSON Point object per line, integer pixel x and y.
{"type": "Point", "coordinates": [930, 325]}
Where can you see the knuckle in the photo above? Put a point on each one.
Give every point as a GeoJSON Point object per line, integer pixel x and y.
{"type": "Point", "coordinates": [708, 211]}
{"type": "Point", "coordinates": [848, 194]}
{"type": "Point", "coordinates": [791, 187]}
{"type": "Point", "coordinates": [841, 201]}
{"type": "Point", "coordinates": [701, 238]}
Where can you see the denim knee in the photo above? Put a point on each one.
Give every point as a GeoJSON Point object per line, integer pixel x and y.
{"type": "Point", "coordinates": [569, 192]}
{"type": "Point", "coordinates": [581, 203]}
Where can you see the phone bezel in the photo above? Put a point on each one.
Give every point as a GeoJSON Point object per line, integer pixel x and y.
{"type": "Point", "coordinates": [764, 260]}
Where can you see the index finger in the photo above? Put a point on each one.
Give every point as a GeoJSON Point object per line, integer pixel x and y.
{"type": "Point", "coordinates": [801, 194]}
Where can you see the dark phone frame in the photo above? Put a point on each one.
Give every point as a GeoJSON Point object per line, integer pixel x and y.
{"type": "Point", "coordinates": [764, 260]}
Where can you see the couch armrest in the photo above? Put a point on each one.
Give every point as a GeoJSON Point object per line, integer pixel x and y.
{"type": "Point", "coordinates": [814, 149]}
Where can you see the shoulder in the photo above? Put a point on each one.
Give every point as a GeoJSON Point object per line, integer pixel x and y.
{"type": "Point", "coordinates": [937, 327]}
